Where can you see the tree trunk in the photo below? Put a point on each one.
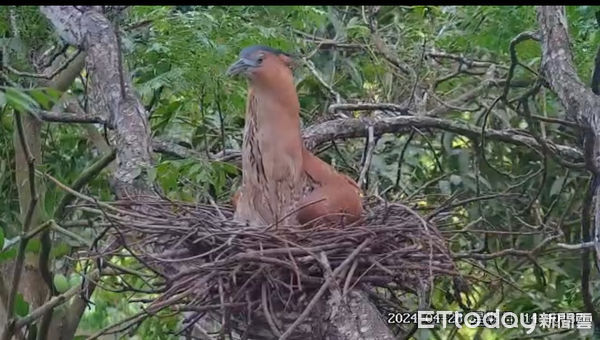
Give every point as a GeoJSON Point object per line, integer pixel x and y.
{"type": "Point", "coordinates": [112, 93]}
{"type": "Point", "coordinates": [582, 106]}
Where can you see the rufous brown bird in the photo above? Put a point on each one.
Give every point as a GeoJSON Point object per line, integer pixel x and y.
{"type": "Point", "coordinates": [282, 182]}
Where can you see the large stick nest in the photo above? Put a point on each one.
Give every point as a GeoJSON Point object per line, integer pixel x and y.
{"type": "Point", "coordinates": [267, 275]}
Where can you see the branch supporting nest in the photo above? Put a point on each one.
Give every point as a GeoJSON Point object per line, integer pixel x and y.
{"type": "Point", "coordinates": [228, 271]}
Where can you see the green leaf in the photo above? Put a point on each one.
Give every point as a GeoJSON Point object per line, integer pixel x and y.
{"type": "Point", "coordinates": [196, 168]}
{"type": "Point", "coordinates": [33, 246]}
{"type": "Point", "coordinates": [1, 238]}
{"type": "Point", "coordinates": [75, 280]}
{"type": "Point", "coordinates": [227, 167]}
{"type": "Point", "coordinates": [40, 96]}
{"type": "Point", "coordinates": [20, 101]}
{"type": "Point", "coordinates": [7, 121]}
{"type": "Point", "coordinates": [8, 254]}
{"type": "Point", "coordinates": [60, 250]}
{"type": "Point", "coordinates": [53, 93]}
{"type": "Point", "coordinates": [21, 306]}
{"type": "Point", "coordinates": [61, 283]}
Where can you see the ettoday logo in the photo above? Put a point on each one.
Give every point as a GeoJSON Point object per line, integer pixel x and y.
{"type": "Point", "coordinates": [497, 319]}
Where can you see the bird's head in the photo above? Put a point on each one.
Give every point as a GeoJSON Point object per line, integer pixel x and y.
{"type": "Point", "coordinates": [262, 63]}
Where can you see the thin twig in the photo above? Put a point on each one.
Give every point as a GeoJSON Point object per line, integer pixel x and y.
{"type": "Point", "coordinates": [371, 142]}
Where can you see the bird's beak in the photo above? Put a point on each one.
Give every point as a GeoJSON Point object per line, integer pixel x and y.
{"type": "Point", "coordinates": [242, 65]}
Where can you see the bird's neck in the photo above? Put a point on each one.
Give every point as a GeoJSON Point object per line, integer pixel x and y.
{"type": "Point", "coordinates": [282, 101]}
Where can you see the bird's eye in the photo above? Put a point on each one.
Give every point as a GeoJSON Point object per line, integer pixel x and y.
{"type": "Point", "coordinates": [260, 58]}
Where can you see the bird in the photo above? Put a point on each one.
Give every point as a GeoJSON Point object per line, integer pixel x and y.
{"type": "Point", "coordinates": [282, 181]}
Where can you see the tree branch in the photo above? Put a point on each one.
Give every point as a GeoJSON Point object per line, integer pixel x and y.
{"type": "Point", "coordinates": [463, 60]}
{"type": "Point", "coordinates": [333, 108]}
{"type": "Point", "coordinates": [371, 142]}
{"type": "Point", "coordinates": [69, 117]}
{"type": "Point", "coordinates": [87, 175]}
{"type": "Point", "coordinates": [52, 303]}
{"type": "Point", "coordinates": [355, 127]}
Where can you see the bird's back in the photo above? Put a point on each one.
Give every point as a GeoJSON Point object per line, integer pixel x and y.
{"type": "Point", "coordinates": [330, 193]}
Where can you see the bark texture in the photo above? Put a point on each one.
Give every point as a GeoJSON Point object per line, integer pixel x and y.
{"type": "Point", "coordinates": [111, 92]}
{"type": "Point", "coordinates": [580, 103]}
{"type": "Point", "coordinates": [582, 106]}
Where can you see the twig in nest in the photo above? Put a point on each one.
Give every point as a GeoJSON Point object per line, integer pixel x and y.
{"type": "Point", "coordinates": [349, 278]}
{"type": "Point", "coordinates": [265, 306]}
{"type": "Point", "coordinates": [212, 202]}
{"type": "Point", "coordinates": [322, 290]}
